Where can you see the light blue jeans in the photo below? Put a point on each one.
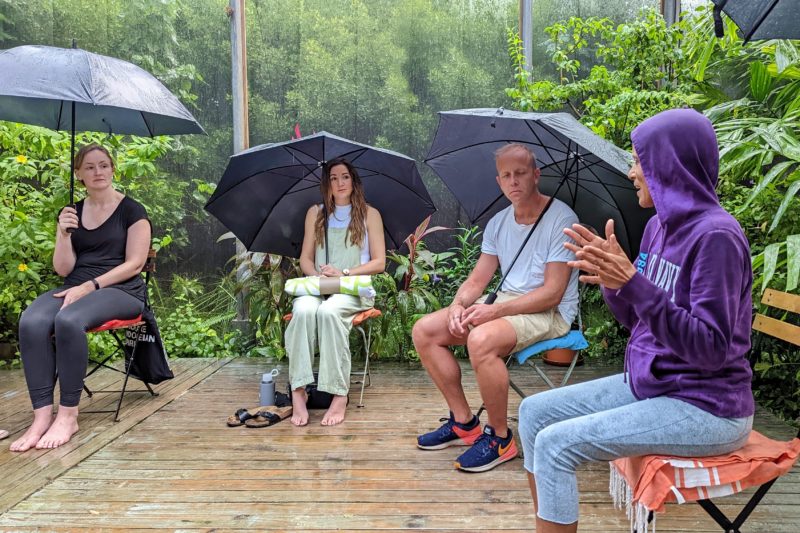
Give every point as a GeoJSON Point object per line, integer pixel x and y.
{"type": "Point", "coordinates": [601, 420]}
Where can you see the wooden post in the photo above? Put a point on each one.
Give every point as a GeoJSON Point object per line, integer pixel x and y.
{"type": "Point", "coordinates": [671, 11]}
{"type": "Point", "coordinates": [241, 135]}
{"type": "Point", "coordinates": [526, 31]}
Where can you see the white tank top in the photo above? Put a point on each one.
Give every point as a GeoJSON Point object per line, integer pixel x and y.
{"type": "Point", "coordinates": [340, 218]}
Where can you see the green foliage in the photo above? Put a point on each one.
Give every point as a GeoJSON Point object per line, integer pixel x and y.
{"type": "Point", "coordinates": [194, 321]}
{"type": "Point", "coordinates": [640, 71]}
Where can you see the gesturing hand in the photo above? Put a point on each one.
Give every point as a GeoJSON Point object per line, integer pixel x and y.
{"type": "Point", "coordinates": [604, 260]}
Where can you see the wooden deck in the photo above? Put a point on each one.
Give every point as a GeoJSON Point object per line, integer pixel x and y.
{"type": "Point", "coordinates": [172, 464]}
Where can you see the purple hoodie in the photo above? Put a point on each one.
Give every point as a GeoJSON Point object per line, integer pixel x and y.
{"type": "Point", "coordinates": [689, 305]}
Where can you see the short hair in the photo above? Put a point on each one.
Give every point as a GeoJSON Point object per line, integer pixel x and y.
{"type": "Point", "coordinates": [503, 150]}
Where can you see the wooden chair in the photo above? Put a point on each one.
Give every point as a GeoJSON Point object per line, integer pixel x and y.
{"type": "Point", "coordinates": [113, 327]}
{"type": "Point", "coordinates": [773, 327]}
{"type": "Point", "coordinates": [360, 321]}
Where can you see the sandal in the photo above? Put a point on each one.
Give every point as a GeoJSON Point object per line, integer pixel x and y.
{"type": "Point", "coordinates": [243, 415]}
{"type": "Point", "coordinates": [268, 416]}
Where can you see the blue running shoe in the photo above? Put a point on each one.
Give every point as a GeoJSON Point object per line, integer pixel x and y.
{"type": "Point", "coordinates": [451, 434]}
{"type": "Point", "coordinates": [488, 452]}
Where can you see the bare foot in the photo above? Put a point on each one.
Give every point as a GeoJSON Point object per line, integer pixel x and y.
{"type": "Point", "coordinates": [42, 418]}
{"type": "Point", "coordinates": [61, 430]}
{"type": "Point", "coordinates": [335, 413]}
{"type": "Point", "coordinates": [299, 410]}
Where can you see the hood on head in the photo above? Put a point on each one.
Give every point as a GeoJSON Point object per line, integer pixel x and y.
{"type": "Point", "coordinates": [680, 161]}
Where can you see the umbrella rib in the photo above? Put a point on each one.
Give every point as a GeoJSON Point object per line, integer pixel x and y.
{"type": "Point", "coordinates": [146, 124]}
{"type": "Point", "coordinates": [545, 147]}
{"type": "Point", "coordinates": [488, 208]}
{"type": "Point", "coordinates": [621, 212]}
{"type": "Point", "coordinates": [60, 112]}
{"type": "Point", "coordinates": [761, 19]}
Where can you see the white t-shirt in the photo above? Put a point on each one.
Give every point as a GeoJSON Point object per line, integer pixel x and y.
{"type": "Point", "coordinates": [503, 237]}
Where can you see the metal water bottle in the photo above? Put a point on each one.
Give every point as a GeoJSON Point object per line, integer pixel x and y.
{"type": "Point", "coordinates": [267, 394]}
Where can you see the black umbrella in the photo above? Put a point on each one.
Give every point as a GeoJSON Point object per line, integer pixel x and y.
{"type": "Point", "coordinates": [760, 19]}
{"type": "Point", "coordinates": [74, 90]}
{"type": "Point", "coordinates": [580, 168]}
{"type": "Point", "coordinates": [265, 192]}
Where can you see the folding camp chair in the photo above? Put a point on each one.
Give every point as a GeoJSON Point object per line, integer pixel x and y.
{"type": "Point", "coordinates": [361, 320]}
{"type": "Point", "coordinates": [573, 340]}
{"type": "Point", "coordinates": [764, 325]}
{"type": "Point", "coordinates": [113, 327]}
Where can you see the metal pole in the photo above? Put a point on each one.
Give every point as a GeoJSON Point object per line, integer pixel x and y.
{"type": "Point", "coordinates": [241, 134]}
{"type": "Point", "coordinates": [671, 11]}
{"type": "Point", "coordinates": [526, 30]}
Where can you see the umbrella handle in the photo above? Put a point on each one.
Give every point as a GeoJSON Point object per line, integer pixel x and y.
{"type": "Point", "coordinates": [72, 230]}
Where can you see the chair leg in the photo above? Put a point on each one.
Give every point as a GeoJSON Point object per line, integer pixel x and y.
{"type": "Point", "coordinates": [365, 378]}
{"type": "Point", "coordinates": [718, 516]}
{"type": "Point", "coordinates": [571, 368]}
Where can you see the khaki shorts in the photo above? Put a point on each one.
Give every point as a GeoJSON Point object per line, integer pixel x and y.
{"type": "Point", "coordinates": [533, 327]}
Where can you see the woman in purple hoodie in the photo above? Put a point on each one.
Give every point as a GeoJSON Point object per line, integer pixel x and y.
{"type": "Point", "coordinates": [685, 389]}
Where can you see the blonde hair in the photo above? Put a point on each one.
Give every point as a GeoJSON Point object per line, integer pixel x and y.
{"type": "Point", "coordinates": [510, 147]}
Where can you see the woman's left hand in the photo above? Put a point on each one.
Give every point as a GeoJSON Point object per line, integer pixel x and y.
{"type": "Point", "coordinates": [607, 265]}
{"type": "Point", "coordinates": [329, 271]}
{"type": "Point", "coordinates": [73, 294]}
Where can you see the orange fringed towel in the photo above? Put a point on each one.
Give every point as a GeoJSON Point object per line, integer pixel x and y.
{"type": "Point", "coordinates": [646, 483]}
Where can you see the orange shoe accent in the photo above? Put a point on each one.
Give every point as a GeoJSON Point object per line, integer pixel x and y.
{"type": "Point", "coordinates": [509, 452]}
{"type": "Point", "coordinates": [468, 436]}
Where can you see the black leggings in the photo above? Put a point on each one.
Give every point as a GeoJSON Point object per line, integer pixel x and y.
{"type": "Point", "coordinates": [42, 360]}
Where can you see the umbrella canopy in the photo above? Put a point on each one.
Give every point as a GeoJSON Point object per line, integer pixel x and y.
{"type": "Point", "coordinates": [265, 191]}
{"type": "Point", "coordinates": [760, 19]}
{"type": "Point", "coordinates": [580, 168]}
{"type": "Point", "coordinates": [75, 90]}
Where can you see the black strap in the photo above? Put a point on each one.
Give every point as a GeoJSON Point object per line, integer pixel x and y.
{"type": "Point", "coordinates": [492, 296]}
{"type": "Point", "coordinates": [719, 27]}
{"type": "Point", "coordinates": [325, 215]}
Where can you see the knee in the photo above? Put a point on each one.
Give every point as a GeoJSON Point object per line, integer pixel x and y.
{"type": "Point", "coordinates": [480, 344]}
{"type": "Point", "coordinates": [66, 320]}
{"type": "Point", "coordinates": [533, 412]}
{"type": "Point", "coordinates": [548, 450]}
{"type": "Point", "coordinates": [34, 324]}
{"type": "Point", "coordinates": [421, 331]}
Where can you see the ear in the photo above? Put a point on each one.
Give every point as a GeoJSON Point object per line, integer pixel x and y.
{"type": "Point", "coordinates": [497, 178]}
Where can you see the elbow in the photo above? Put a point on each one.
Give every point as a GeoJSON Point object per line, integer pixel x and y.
{"type": "Point", "coordinates": [716, 351]}
{"type": "Point", "coordinates": [380, 265]}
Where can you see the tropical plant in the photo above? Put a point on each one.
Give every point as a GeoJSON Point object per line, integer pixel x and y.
{"type": "Point", "coordinates": [639, 69]}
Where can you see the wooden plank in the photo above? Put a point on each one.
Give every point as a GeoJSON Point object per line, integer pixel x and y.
{"type": "Point", "coordinates": [49, 464]}
{"type": "Point", "coordinates": [777, 328]}
{"type": "Point", "coordinates": [782, 300]}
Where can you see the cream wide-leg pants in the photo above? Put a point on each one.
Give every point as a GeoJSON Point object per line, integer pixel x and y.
{"type": "Point", "coordinates": [329, 321]}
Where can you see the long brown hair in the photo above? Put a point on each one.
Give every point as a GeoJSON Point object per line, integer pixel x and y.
{"type": "Point", "coordinates": [358, 214]}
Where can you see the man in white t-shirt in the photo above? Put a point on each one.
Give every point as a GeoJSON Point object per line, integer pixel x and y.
{"type": "Point", "coordinates": [538, 301]}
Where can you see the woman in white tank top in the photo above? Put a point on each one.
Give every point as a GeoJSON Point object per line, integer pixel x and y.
{"type": "Point", "coordinates": [343, 236]}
